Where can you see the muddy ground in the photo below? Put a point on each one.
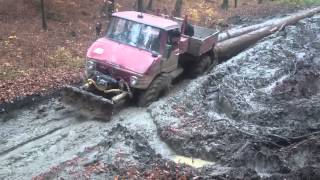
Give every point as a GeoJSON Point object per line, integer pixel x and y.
{"type": "Point", "coordinates": [255, 116]}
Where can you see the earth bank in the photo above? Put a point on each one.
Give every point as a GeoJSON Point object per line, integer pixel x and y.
{"type": "Point", "coordinates": [255, 116]}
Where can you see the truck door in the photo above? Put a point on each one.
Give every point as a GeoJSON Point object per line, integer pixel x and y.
{"type": "Point", "coordinates": [170, 63]}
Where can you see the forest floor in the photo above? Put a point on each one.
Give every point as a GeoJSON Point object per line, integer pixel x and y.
{"type": "Point", "coordinates": [255, 116]}
{"type": "Point", "coordinates": [36, 62]}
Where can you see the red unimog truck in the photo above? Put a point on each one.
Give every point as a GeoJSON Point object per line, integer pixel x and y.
{"type": "Point", "coordinates": [141, 54]}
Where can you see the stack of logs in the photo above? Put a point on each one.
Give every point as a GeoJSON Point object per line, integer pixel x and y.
{"type": "Point", "coordinates": [233, 41]}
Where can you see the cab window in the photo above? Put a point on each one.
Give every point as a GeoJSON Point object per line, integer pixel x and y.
{"type": "Point", "coordinates": [174, 38]}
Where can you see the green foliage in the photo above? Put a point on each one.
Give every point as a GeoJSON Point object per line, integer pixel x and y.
{"type": "Point", "coordinates": [312, 2]}
{"type": "Point", "coordinates": [300, 2]}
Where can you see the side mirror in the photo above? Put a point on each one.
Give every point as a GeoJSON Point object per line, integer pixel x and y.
{"type": "Point", "coordinates": [167, 50]}
{"type": "Point", "coordinates": [154, 54]}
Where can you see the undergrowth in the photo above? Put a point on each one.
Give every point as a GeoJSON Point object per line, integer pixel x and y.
{"type": "Point", "coordinates": [301, 2]}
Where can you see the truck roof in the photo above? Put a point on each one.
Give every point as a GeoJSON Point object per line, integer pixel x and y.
{"type": "Point", "coordinates": [148, 19]}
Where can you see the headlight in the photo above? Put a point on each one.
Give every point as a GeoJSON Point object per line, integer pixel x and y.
{"type": "Point", "coordinates": [133, 80]}
{"type": "Point", "coordinates": [90, 65]}
{"type": "Point", "coordinates": [90, 68]}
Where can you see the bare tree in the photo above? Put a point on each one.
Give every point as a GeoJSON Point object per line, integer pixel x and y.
{"type": "Point", "coordinates": [225, 4]}
{"type": "Point", "coordinates": [150, 5]}
{"type": "Point", "coordinates": [43, 13]}
{"type": "Point", "coordinates": [111, 6]}
{"type": "Point", "coordinates": [140, 5]}
{"type": "Point", "coordinates": [178, 8]}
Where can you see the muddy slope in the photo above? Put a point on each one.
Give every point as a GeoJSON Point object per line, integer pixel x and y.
{"type": "Point", "coordinates": [52, 140]}
{"type": "Point", "coordinates": [257, 114]}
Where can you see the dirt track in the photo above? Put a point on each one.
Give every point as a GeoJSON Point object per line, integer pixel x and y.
{"type": "Point", "coordinates": [42, 140]}
{"type": "Point", "coordinates": [255, 116]}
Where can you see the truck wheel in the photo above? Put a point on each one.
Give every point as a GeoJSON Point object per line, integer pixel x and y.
{"type": "Point", "coordinates": [158, 87]}
{"type": "Point", "coordinates": [200, 67]}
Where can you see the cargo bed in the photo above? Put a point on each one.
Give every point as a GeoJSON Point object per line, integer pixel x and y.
{"type": "Point", "coordinates": [202, 41]}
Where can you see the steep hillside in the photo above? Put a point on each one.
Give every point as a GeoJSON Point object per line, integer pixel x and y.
{"type": "Point", "coordinates": [34, 61]}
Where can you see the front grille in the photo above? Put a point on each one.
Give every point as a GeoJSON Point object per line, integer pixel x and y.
{"type": "Point", "coordinates": [113, 72]}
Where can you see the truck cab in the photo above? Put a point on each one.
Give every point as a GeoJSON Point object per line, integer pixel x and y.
{"type": "Point", "coordinates": [139, 56]}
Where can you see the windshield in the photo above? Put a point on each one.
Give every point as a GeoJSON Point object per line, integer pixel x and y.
{"type": "Point", "coordinates": [135, 34]}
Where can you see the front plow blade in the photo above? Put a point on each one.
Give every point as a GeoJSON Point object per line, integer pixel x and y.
{"type": "Point", "coordinates": [89, 103]}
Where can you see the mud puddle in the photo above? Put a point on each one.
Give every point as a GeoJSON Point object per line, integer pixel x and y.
{"type": "Point", "coordinates": [42, 140]}
{"type": "Point", "coordinates": [194, 162]}
{"type": "Point", "coordinates": [141, 122]}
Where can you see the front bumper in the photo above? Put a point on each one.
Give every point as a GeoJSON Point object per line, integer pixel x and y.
{"type": "Point", "coordinates": [115, 90]}
{"type": "Point", "coordinates": [114, 95]}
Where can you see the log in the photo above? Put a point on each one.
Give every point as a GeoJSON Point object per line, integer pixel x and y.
{"type": "Point", "coordinates": [229, 48]}
{"type": "Point", "coordinates": [245, 37]}
{"type": "Point", "coordinates": [289, 20]}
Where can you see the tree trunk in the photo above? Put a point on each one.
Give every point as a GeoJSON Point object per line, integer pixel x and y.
{"type": "Point", "coordinates": [140, 5]}
{"type": "Point", "coordinates": [235, 3]}
{"type": "Point", "coordinates": [110, 7]}
{"type": "Point", "coordinates": [225, 4]}
{"type": "Point", "coordinates": [178, 8]}
{"type": "Point", "coordinates": [260, 1]}
{"type": "Point", "coordinates": [44, 19]}
{"type": "Point", "coordinates": [150, 5]}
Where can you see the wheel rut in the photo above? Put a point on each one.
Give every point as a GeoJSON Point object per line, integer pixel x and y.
{"type": "Point", "coordinates": [28, 141]}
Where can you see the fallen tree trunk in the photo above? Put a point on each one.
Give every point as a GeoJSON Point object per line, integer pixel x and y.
{"type": "Point", "coordinates": [240, 31]}
{"type": "Point", "coordinates": [245, 37]}
{"type": "Point", "coordinates": [229, 48]}
{"type": "Point", "coordinates": [289, 20]}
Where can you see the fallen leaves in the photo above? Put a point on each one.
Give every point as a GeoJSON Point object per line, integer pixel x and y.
{"type": "Point", "coordinates": [12, 37]}
{"type": "Point", "coordinates": [95, 168]}
{"type": "Point", "coordinates": [37, 81]}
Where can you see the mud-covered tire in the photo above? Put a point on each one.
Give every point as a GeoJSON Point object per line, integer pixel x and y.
{"type": "Point", "coordinates": [158, 87]}
{"type": "Point", "coordinates": [200, 67]}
